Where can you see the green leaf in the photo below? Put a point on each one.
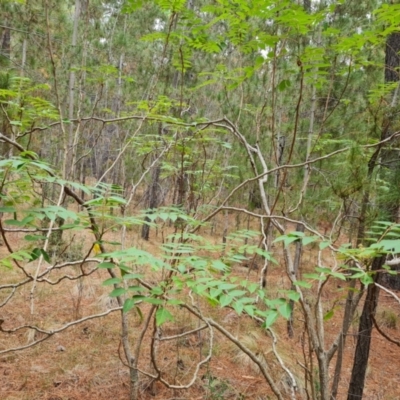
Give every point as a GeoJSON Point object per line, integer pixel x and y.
{"type": "Point", "coordinates": [21, 256]}
{"type": "Point", "coordinates": [357, 275]}
{"type": "Point", "coordinates": [136, 289]}
{"type": "Point", "coordinates": [227, 286]}
{"type": "Point", "coordinates": [157, 291]}
{"type": "Point", "coordinates": [286, 239]}
{"type": "Point", "coordinates": [106, 265]}
{"type": "Point", "coordinates": [128, 305]}
{"type": "Point", "coordinates": [219, 265]}
{"type": "Point", "coordinates": [328, 315]}
{"type": "Point", "coordinates": [115, 200]}
{"type": "Point", "coordinates": [162, 316]}
{"type": "Point", "coordinates": [132, 276]}
{"type": "Point", "coordinates": [339, 275]}
{"type": "Point", "coordinates": [284, 84]}
{"type": "Point", "coordinates": [324, 244]}
{"type": "Point", "coordinates": [271, 318]}
{"type": "Point", "coordinates": [238, 307]}
{"type": "Point", "coordinates": [389, 245]}
{"type": "Point", "coordinates": [323, 270]}
{"type": "Point", "coordinates": [35, 254]}
{"type": "Point", "coordinates": [8, 209]}
{"type": "Point", "coordinates": [14, 222]}
{"type": "Point", "coordinates": [366, 279]}
{"type": "Point", "coordinates": [215, 292]}
{"type": "Point", "coordinates": [253, 287]}
{"type": "Point", "coordinates": [309, 239]}
{"type": "Point", "coordinates": [153, 300]}
{"type": "Point", "coordinates": [46, 257]}
{"type": "Point", "coordinates": [303, 284]}
{"type": "Point", "coordinates": [237, 293]}
{"type": "Point", "coordinates": [139, 312]}
{"type": "Point", "coordinates": [247, 300]}
{"type": "Point", "coordinates": [7, 263]}
{"type": "Point", "coordinates": [199, 289]}
{"type": "Point", "coordinates": [318, 277]}
{"type": "Point", "coordinates": [174, 302]}
{"type": "Point", "coordinates": [213, 302]}
{"type": "Point", "coordinates": [112, 281]}
{"type": "Point", "coordinates": [285, 310]}
{"type": "Point", "coordinates": [182, 268]}
{"type": "Point", "coordinates": [250, 310]}
{"type": "Point", "coordinates": [293, 295]}
{"type": "Point", "coordinates": [117, 292]}
{"type": "Point", "coordinates": [33, 238]}
{"type": "Point", "coordinates": [225, 300]}
{"type": "Point", "coordinates": [124, 269]}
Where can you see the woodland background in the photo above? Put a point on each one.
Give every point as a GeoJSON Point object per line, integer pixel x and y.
{"type": "Point", "coordinates": [199, 199]}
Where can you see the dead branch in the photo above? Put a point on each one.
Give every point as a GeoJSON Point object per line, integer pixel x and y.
{"type": "Point", "coordinates": [382, 333]}
{"type": "Point", "coordinates": [47, 332]}
{"type": "Point", "coordinates": [182, 334]}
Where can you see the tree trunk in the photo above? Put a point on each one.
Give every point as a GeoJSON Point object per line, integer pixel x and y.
{"type": "Point", "coordinates": [152, 199]}
{"type": "Point", "coordinates": [296, 265]}
{"type": "Point", "coordinates": [5, 54]}
{"type": "Point", "coordinates": [5, 46]}
{"type": "Point", "coordinates": [392, 59]}
{"type": "Point", "coordinates": [360, 365]}
{"type": "Point", "coordinates": [69, 167]}
{"type": "Point", "coordinates": [356, 387]}
{"type": "Point", "coordinates": [341, 348]}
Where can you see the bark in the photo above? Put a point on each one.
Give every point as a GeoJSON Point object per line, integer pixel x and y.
{"type": "Point", "coordinates": [152, 197]}
{"type": "Point", "coordinates": [360, 365]}
{"type": "Point", "coordinates": [70, 155]}
{"type": "Point", "coordinates": [296, 266]}
{"type": "Point", "coordinates": [307, 5]}
{"type": "Point", "coordinates": [392, 59]}
{"type": "Point", "coordinates": [357, 381]}
{"type": "Point", "coordinates": [5, 47]}
{"type": "Point", "coordinates": [280, 148]}
{"type": "Point", "coordinates": [347, 318]}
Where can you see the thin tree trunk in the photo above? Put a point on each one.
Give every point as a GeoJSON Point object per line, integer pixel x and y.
{"type": "Point", "coordinates": [300, 227]}
{"type": "Point", "coordinates": [296, 266]}
{"type": "Point", "coordinates": [5, 54]}
{"type": "Point", "coordinates": [348, 315]}
{"type": "Point", "coordinates": [152, 196]}
{"type": "Point", "coordinates": [360, 365]}
{"type": "Point", "coordinates": [70, 151]}
{"type": "Point", "coordinates": [5, 46]}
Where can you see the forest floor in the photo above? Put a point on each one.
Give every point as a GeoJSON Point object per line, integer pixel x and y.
{"type": "Point", "coordinates": [84, 362]}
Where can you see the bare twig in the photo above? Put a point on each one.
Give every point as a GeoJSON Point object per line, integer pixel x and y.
{"type": "Point", "coordinates": [9, 297]}
{"type": "Point", "coordinates": [294, 388]}
{"type": "Point", "coordinates": [49, 333]}
{"type": "Point", "coordinates": [46, 243]}
{"type": "Point", "coordinates": [387, 337]}
{"type": "Point", "coordinates": [388, 291]}
{"type": "Point", "coordinates": [174, 337]}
